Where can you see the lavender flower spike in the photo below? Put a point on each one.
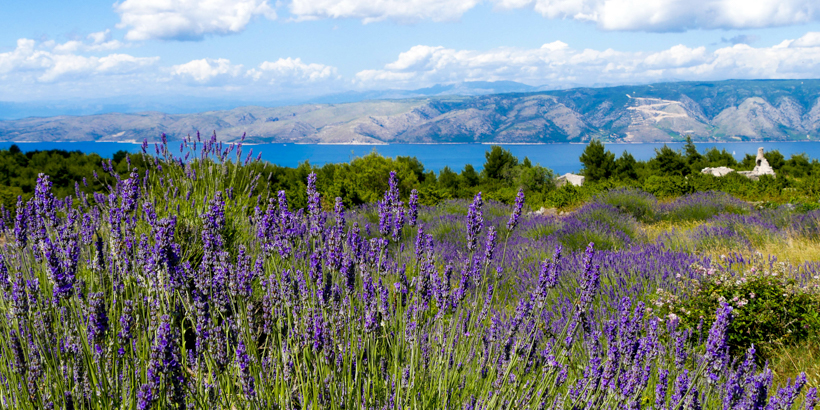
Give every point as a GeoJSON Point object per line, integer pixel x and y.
{"type": "Point", "coordinates": [475, 222]}
{"type": "Point", "coordinates": [519, 205]}
{"type": "Point", "coordinates": [413, 203]}
{"type": "Point", "coordinates": [716, 345]}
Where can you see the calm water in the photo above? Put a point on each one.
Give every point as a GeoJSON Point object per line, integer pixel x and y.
{"type": "Point", "coordinates": [561, 158]}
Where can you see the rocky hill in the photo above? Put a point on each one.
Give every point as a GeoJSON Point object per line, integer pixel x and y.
{"type": "Point", "coordinates": [708, 111]}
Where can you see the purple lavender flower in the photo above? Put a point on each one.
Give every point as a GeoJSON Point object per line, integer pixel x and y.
{"type": "Point", "coordinates": [314, 206]}
{"type": "Point", "coordinates": [127, 323]}
{"type": "Point", "coordinates": [590, 281]}
{"type": "Point", "coordinates": [165, 368]}
{"type": "Point", "coordinates": [786, 395]}
{"type": "Point", "coordinates": [548, 275]}
{"type": "Point", "coordinates": [244, 362]}
{"type": "Point", "coordinates": [21, 224]}
{"type": "Point", "coordinates": [413, 204]}
{"type": "Point", "coordinates": [660, 389]}
{"type": "Point", "coordinates": [680, 391]}
{"type": "Point", "coordinates": [475, 222]}
{"type": "Point", "coordinates": [489, 247]}
{"type": "Point", "coordinates": [19, 299]}
{"type": "Point", "coordinates": [716, 345]}
{"type": "Point", "coordinates": [62, 265]}
{"type": "Point", "coordinates": [519, 205]}
{"type": "Point", "coordinates": [97, 317]}
{"type": "Point", "coordinates": [5, 281]}
{"type": "Point", "coordinates": [19, 359]}
{"type": "Point", "coordinates": [391, 210]}
{"type": "Point", "coordinates": [811, 398]}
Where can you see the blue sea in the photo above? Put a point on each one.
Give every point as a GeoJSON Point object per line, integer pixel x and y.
{"type": "Point", "coordinates": [561, 158]}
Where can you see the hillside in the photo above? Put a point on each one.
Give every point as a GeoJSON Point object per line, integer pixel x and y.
{"type": "Point", "coordinates": [713, 111]}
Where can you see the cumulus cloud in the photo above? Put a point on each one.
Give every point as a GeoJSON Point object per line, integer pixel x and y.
{"type": "Point", "coordinates": [208, 71]}
{"type": "Point", "coordinates": [368, 11]}
{"type": "Point", "coordinates": [284, 72]}
{"type": "Point", "coordinates": [675, 15]}
{"type": "Point", "coordinates": [31, 60]}
{"type": "Point", "coordinates": [810, 39]}
{"type": "Point", "coordinates": [558, 64]}
{"type": "Point", "coordinates": [95, 42]}
{"type": "Point", "coordinates": [188, 19]}
{"type": "Point", "coordinates": [631, 15]}
{"type": "Point", "coordinates": [290, 71]}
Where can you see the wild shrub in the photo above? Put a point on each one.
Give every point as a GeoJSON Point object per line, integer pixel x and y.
{"type": "Point", "coordinates": [770, 308]}
{"type": "Point", "coordinates": [633, 201]}
{"type": "Point", "coordinates": [701, 206]}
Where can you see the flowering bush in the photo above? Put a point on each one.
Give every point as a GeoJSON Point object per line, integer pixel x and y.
{"type": "Point", "coordinates": [769, 305]}
{"type": "Point", "coordinates": [179, 289]}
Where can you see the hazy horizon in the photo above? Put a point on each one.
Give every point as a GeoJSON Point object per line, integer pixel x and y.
{"type": "Point", "coordinates": [252, 50]}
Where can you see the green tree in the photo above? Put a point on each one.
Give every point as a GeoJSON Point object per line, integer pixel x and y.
{"type": "Point", "coordinates": [719, 158]}
{"type": "Point", "coordinates": [536, 178]}
{"type": "Point", "coordinates": [448, 179]}
{"type": "Point", "coordinates": [670, 162]}
{"type": "Point", "coordinates": [413, 164]}
{"type": "Point", "coordinates": [692, 154]}
{"type": "Point", "coordinates": [776, 159]}
{"type": "Point", "coordinates": [625, 167]}
{"type": "Point", "coordinates": [119, 156]}
{"type": "Point", "coordinates": [469, 176]}
{"type": "Point", "coordinates": [598, 162]}
{"type": "Point", "coordinates": [499, 162]}
{"type": "Point", "coordinates": [797, 166]}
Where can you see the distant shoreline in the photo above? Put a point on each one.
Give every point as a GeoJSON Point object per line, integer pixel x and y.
{"type": "Point", "coordinates": [134, 142]}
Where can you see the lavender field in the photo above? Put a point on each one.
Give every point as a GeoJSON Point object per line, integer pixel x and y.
{"type": "Point", "coordinates": [179, 289]}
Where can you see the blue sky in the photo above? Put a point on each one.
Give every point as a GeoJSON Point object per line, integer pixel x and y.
{"type": "Point", "coordinates": [261, 49]}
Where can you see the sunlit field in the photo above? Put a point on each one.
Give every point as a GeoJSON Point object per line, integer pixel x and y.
{"type": "Point", "coordinates": [184, 287]}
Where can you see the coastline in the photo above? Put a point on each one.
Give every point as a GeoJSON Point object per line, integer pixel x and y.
{"type": "Point", "coordinates": [135, 142]}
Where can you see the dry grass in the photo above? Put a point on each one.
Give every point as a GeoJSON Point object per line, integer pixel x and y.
{"type": "Point", "coordinates": [657, 230]}
{"type": "Point", "coordinates": [787, 362]}
{"type": "Point", "coordinates": [793, 249]}
{"type": "Point", "coordinates": [796, 251]}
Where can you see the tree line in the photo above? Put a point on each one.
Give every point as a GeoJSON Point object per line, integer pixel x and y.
{"type": "Point", "coordinates": [364, 179]}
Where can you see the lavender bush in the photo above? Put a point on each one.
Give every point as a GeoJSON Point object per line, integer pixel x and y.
{"type": "Point", "coordinates": [641, 205]}
{"type": "Point", "coordinates": [181, 289]}
{"type": "Point", "coordinates": [701, 206]}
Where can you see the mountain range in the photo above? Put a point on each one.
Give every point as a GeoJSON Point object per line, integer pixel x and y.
{"type": "Point", "coordinates": [734, 110]}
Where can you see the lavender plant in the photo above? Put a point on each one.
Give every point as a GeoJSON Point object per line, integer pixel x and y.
{"type": "Point", "coordinates": [184, 288]}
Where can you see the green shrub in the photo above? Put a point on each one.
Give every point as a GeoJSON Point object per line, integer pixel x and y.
{"type": "Point", "coordinates": [666, 186]}
{"type": "Point", "coordinates": [770, 308]}
{"type": "Point", "coordinates": [565, 196]}
{"type": "Point", "coordinates": [8, 196]}
{"type": "Point", "coordinates": [432, 195]}
{"type": "Point", "coordinates": [635, 202]}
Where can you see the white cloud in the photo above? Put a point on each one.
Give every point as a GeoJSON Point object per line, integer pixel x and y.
{"type": "Point", "coordinates": [24, 58]}
{"type": "Point", "coordinates": [810, 39]}
{"type": "Point", "coordinates": [207, 71]}
{"type": "Point", "coordinates": [377, 10]}
{"type": "Point", "coordinates": [675, 15]}
{"type": "Point", "coordinates": [100, 37]}
{"type": "Point", "coordinates": [677, 56]}
{"type": "Point", "coordinates": [98, 42]}
{"type": "Point", "coordinates": [630, 15]}
{"type": "Point", "coordinates": [188, 19]}
{"type": "Point", "coordinates": [290, 71]}
{"type": "Point", "coordinates": [32, 62]}
{"type": "Point", "coordinates": [558, 64]}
